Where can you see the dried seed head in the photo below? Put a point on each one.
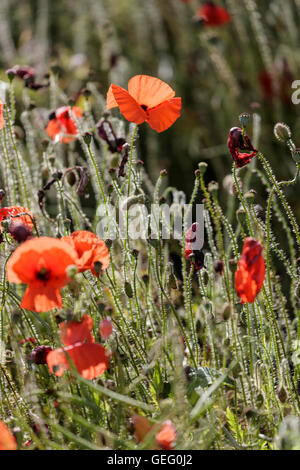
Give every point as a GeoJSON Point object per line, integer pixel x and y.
{"type": "Point", "coordinates": [282, 132]}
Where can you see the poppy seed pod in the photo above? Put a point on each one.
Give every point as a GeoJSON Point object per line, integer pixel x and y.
{"type": "Point", "coordinates": [87, 137]}
{"type": "Point", "coordinates": [282, 132]}
{"type": "Point", "coordinates": [128, 289]}
{"type": "Point", "coordinates": [244, 119]}
{"type": "Point", "coordinates": [202, 166]}
{"type": "Point", "coordinates": [249, 196]}
{"type": "Point", "coordinates": [296, 155]}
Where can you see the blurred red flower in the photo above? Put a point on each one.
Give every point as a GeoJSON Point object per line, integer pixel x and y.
{"type": "Point", "coordinates": [195, 256]}
{"type": "Point", "coordinates": [89, 358]}
{"type": "Point", "coordinates": [61, 126]}
{"type": "Point", "coordinates": [237, 143]}
{"type": "Point", "coordinates": [249, 277]}
{"type": "Point", "coordinates": [13, 213]}
{"type": "Point", "coordinates": [90, 250]}
{"type": "Point", "coordinates": [164, 438]}
{"type": "Point", "coordinates": [7, 440]}
{"type": "Point", "coordinates": [147, 99]}
{"type": "Point", "coordinates": [1, 115]}
{"type": "Point", "coordinates": [106, 328]}
{"type": "Point", "coordinates": [213, 15]}
{"type": "Point", "coordinates": [41, 264]}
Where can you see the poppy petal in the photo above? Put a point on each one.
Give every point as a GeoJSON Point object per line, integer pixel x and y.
{"type": "Point", "coordinates": [128, 105]}
{"type": "Point", "coordinates": [7, 440]}
{"type": "Point", "coordinates": [163, 116]}
{"type": "Point", "coordinates": [110, 99]}
{"type": "Point", "coordinates": [165, 438]}
{"type": "Point", "coordinates": [41, 299]}
{"type": "Point", "coordinates": [149, 91]}
{"type": "Point", "coordinates": [53, 129]}
{"type": "Point", "coordinates": [74, 331]}
{"type": "Point", "coordinates": [89, 359]}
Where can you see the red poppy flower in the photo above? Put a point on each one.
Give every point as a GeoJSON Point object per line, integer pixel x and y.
{"type": "Point", "coordinates": [89, 358]}
{"type": "Point", "coordinates": [249, 277]}
{"type": "Point", "coordinates": [147, 99]}
{"type": "Point", "coordinates": [106, 328]}
{"type": "Point", "coordinates": [237, 143]}
{"type": "Point", "coordinates": [61, 126]}
{"type": "Point", "coordinates": [41, 263]}
{"type": "Point", "coordinates": [90, 250]}
{"type": "Point", "coordinates": [191, 253]}
{"type": "Point", "coordinates": [164, 438]}
{"type": "Point", "coordinates": [213, 15]}
{"type": "Point", "coordinates": [7, 440]}
{"type": "Point", "coordinates": [1, 115]}
{"type": "Point", "coordinates": [282, 89]}
{"type": "Point", "coordinates": [13, 212]}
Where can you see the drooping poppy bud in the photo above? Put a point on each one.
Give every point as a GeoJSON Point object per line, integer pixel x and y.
{"type": "Point", "coordinates": [237, 143]}
{"type": "Point", "coordinates": [249, 277]}
{"type": "Point", "coordinates": [107, 133]}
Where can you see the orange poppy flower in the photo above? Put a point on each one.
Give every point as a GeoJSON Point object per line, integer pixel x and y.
{"type": "Point", "coordinates": [41, 264]}
{"type": "Point", "coordinates": [213, 15]}
{"type": "Point", "coordinates": [61, 126]}
{"type": "Point", "coordinates": [7, 440]}
{"type": "Point", "coordinates": [90, 250]}
{"type": "Point", "coordinates": [164, 438]}
{"type": "Point", "coordinates": [89, 358]}
{"type": "Point", "coordinates": [249, 277]}
{"type": "Point", "coordinates": [1, 115]}
{"type": "Point", "coordinates": [147, 99]}
{"type": "Point", "coordinates": [12, 212]}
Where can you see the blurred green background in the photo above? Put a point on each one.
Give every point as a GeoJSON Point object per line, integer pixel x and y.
{"type": "Point", "coordinates": [246, 65]}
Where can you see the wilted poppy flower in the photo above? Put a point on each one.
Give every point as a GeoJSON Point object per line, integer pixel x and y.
{"type": "Point", "coordinates": [192, 252]}
{"type": "Point", "coordinates": [39, 354]}
{"type": "Point", "coordinates": [249, 277]}
{"type": "Point", "coordinates": [20, 232]}
{"type": "Point", "coordinates": [106, 328]}
{"type": "Point", "coordinates": [89, 358]}
{"type": "Point", "coordinates": [213, 15]}
{"type": "Point", "coordinates": [1, 115]}
{"type": "Point", "coordinates": [41, 263]}
{"type": "Point", "coordinates": [147, 99]}
{"type": "Point", "coordinates": [14, 212]}
{"type": "Point", "coordinates": [238, 143]}
{"type": "Point", "coordinates": [22, 71]}
{"type": "Point", "coordinates": [92, 252]}
{"type": "Point", "coordinates": [107, 133]}
{"type": "Point", "coordinates": [7, 440]}
{"type": "Point", "coordinates": [164, 438]}
{"type": "Point", "coordinates": [61, 126]}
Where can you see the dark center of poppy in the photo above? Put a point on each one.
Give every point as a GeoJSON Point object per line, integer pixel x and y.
{"type": "Point", "coordinates": [43, 274]}
{"type": "Point", "coordinates": [144, 107]}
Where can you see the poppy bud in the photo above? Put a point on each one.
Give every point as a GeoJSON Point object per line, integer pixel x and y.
{"type": "Point", "coordinates": [197, 173]}
{"type": "Point", "coordinates": [135, 253]}
{"type": "Point", "coordinates": [98, 267]}
{"type": "Point", "coordinates": [128, 289]}
{"type": "Point", "coordinates": [39, 354]}
{"type": "Point", "coordinates": [282, 132]}
{"type": "Point", "coordinates": [249, 196]}
{"type": "Point", "coordinates": [296, 155]}
{"type": "Point", "coordinates": [213, 187]}
{"type": "Point", "coordinates": [162, 200]}
{"type": "Point", "coordinates": [226, 312]}
{"type": "Point", "coordinates": [10, 74]}
{"type": "Point", "coordinates": [163, 173]}
{"type": "Point", "coordinates": [282, 394]}
{"type": "Point", "coordinates": [109, 189]}
{"type": "Point", "coordinates": [244, 119]}
{"type": "Point", "coordinates": [108, 243]}
{"type": "Point", "coordinates": [241, 216]}
{"type": "Point", "coordinates": [20, 232]}
{"type": "Point", "coordinates": [139, 163]}
{"type": "Point", "coordinates": [45, 144]}
{"type": "Point", "coordinates": [202, 168]}
{"type": "Point", "coordinates": [145, 278]}
{"type": "Point", "coordinates": [106, 328]}
{"type": "Point", "coordinates": [87, 137]}
{"type": "Point", "coordinates": [112, 172]}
